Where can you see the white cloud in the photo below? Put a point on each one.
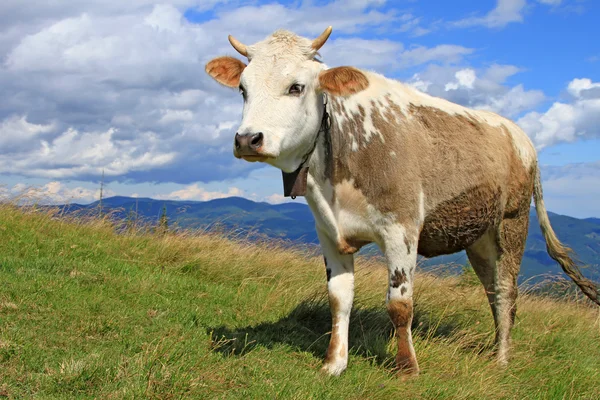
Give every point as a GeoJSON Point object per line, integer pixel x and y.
{"type": "Point", "coordinates": [73, 153]}
{"type": "Point", "coordinates": [483, 89]}
{"type": "Point", "coordinates": [444, 52]}
{"type": "Point", "coordinates": [276, 198]}
{"type": "Point", "coordinates": [464, 78]}
{"type": "Point", "coordinates": [196, 192]}
{"type": "Point", "coordinates": [388, 55]}
{"type": "Point", "coordinates": [51, 193]}
{"type": "Point", "coordinates": [567, 122]}
{"type": "Point", "coordinates": [16, 133]}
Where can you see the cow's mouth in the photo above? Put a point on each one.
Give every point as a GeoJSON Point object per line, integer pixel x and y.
{"type": "Point", "coordinates": [255, 158]}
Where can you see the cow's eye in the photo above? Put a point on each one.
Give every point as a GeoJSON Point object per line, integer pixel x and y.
{"type": "Point", "coordinates": [296, 89]}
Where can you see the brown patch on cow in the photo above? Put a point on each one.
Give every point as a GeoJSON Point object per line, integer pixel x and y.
{"type": "Point", "coordinates": [226, 70]}
{"type": "Point", "coordinates": [398, 278]}
{"type": "Point", "coordinates": [334, 342]}
{"type": "Point", "coordinates": [403, 290]}
{"type": "Point", "coordinates": [401, 313]}
{"type": "Point", "coordinates": [343, 81]}
{"type": "Point", "coordinates": [344, 247]}
{"type": "Point", "coordinates": [457, 223]}
{"type": "Point", "coordinates": [350, 198]}
{"type": "Point", "coordinates": [351, 245]}
{"type": "Point", "coordinates": [342, 352]}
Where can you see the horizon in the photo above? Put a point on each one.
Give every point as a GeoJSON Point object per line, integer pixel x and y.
{"type": "Point", "coordinates": [532, 208]}
{"type": "Point", "coordinates": [117, 93]}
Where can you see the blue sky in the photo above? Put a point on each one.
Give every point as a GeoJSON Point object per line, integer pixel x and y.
{"type": "Point", "coordinates": [119, 86]}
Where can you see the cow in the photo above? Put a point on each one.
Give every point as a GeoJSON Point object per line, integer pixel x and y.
{"type": "Point", "coordinates": [381, 162]}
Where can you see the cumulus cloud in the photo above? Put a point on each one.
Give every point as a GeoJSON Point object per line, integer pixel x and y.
{"type": "Point", "coordinates": [480, 89]}
{"type": "Point", "coordinates": [387, 55]}
{"type": "Point", "coordinates": [567, 121]}
{"type": "Point", "coordinates": [276, 198]}
{"type": "Point", "coordinates": [196, 192]}
{"type": "Point", "coordinates": [119, 86]}
{"type": "Point", "coordinates": [51, 193]}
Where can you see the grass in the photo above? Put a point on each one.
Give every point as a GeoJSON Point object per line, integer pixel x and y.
{"type": "Point", "coordinates": [87, 313]}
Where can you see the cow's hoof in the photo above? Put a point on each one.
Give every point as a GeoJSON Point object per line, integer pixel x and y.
{"type": "Point", "coordinates": [407, 367]}
{"type": "Point", "coordinates": [334, 368]}
{"type": "Point", "coordinates": [404, 374]}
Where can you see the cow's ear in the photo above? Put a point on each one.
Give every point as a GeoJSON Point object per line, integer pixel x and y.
{"type": "Point", "coordinates": [226, 70]}
{"type": "Point", "coordinates": [343, 81]}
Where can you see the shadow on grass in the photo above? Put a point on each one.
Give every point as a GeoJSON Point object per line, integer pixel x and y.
{"type": "Point", "coordinates": [308, 327]}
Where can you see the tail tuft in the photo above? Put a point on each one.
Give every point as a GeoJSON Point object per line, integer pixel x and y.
{"type": "Point", "coordinates": [556, 249]}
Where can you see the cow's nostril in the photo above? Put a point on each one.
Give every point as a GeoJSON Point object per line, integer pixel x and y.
{"type": "Point", "coordinates": [257, 140]}
{"type": "Point", "coordinates": [237, 141]}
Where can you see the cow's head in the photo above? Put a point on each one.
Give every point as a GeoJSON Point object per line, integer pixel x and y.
{"type": "Point", "coordinates": [282, 87]}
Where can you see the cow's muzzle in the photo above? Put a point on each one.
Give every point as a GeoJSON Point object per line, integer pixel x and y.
{"type": "Point", "coordinates": [248, 146]}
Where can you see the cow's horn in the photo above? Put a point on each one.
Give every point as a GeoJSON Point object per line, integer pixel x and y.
{"type": "Point", "coordinates": [320, 41]}
{"type": "Point", "coordinates": [239, 46]}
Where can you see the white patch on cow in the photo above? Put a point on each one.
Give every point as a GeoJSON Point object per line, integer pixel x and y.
{"type": "Point", "coordinates": [341, 293]}
{"type": "Point", "coordinates": [393, 153]}
{"type": "Point", "coordinates": [318, 197]}
{"type": "Point", "coordinates": [354, 145]}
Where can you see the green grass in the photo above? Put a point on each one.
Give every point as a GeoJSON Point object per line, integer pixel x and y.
{"type": "Point", "coordinates": [87, 313]}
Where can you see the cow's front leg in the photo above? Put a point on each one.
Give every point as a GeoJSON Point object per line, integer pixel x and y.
{"type": "Point", "coordinates": [401, 252]}
{"type": "Point", "coordinates": [340, 285]}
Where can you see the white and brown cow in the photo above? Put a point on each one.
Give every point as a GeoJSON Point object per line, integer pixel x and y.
{"type": "Point", "coordinates": [382, 162]}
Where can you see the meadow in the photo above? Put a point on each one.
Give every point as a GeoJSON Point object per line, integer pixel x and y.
{"type": "Point", "coordinates": [86, 312]}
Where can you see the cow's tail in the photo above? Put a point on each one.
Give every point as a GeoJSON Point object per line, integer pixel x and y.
{"type": "Point", "coordinates": [556, 249]}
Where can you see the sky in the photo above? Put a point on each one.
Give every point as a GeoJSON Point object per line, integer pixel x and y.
{"type": "Point", "coordinates": [119, 86]}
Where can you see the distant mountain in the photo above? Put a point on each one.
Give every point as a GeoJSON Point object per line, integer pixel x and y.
{"type": "Point", "coordinates": [295, 222]}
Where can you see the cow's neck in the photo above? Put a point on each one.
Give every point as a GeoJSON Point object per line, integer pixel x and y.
{"type": "Point", "coordinates": [320, 162]}
{"type": "Point", "coordinates": [329, 180]}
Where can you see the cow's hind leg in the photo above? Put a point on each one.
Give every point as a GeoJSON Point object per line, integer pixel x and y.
{"type": "Point", "coordinates": [483, 255]}
{"type": "Point", "coordinates": [340, 286]}
{"type": "Point", "coordinates": [400, 248]}
{"type": "Point", "coordinates": [496, 258]}
{"type": "Point", "coordinates": [513, 234]}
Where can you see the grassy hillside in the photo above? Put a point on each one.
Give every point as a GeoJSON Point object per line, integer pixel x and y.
{"type": "Point", "coordinates": [294, 221]}
{"type": "Point", "coordinates": [85, 313]}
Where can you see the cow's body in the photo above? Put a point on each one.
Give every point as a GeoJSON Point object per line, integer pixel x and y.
{"type": "Point", "coordinates": [413, 173]}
